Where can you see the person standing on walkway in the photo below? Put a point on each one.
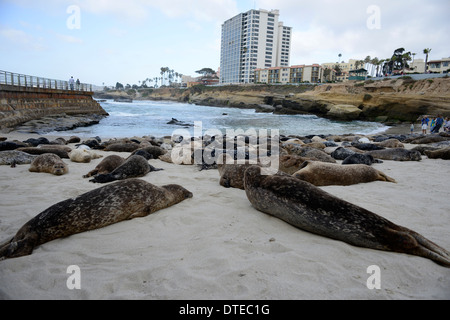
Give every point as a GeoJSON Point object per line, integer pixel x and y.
{"type": "Point", "coordinates": [78, 84]}
{"type": "Point", "coordinates": [71, 82]}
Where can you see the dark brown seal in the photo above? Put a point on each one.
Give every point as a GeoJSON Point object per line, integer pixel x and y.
{"type": "Point", "coordinates": [134, 167]}
{"type": "Point", "coordinates": [107, 165]}
{"type": "Point", "coordinates": [307, 207]}
{"type": "Point", "coordinates": [95, 209]}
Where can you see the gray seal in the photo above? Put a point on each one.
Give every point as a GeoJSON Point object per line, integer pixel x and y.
{"type": "Point", "coordinates": [396, 154]}
{"type": "Point", "coordinates": [310, 208]}
{"type": "Point", "coordinates": [95, 209]}
{"type": "Point", "coordinates": [15, 157]}
{"type": "Point", "coordinates": [134, 167]}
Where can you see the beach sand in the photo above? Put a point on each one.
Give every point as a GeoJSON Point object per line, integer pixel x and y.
{"type": "Point", "coordinates": [217, 246]}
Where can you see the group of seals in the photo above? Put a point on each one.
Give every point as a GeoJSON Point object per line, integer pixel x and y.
{"type": "Point", "coordinates": [307, 207]}
{"type": "Point", "coordinates": [132, 198]}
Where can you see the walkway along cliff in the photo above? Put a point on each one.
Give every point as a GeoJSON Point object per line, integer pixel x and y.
{"type": "Point", "coordinates": [24, 98]}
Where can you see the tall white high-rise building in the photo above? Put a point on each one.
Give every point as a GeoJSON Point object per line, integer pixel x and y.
{"type": "Point", "coordinates": [252, 40]}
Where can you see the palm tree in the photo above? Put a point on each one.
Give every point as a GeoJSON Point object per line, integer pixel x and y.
{"type": "Point", "coordinates": [426, 51]}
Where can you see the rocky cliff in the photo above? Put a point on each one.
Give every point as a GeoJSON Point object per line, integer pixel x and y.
{"type": "Point", "coordinates": [401, 100]}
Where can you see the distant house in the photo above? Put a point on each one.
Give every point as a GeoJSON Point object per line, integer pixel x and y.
{"type": "Point", "coordinates": [439, 66]}
{"type": "Point", "coordinates": [358, 74]}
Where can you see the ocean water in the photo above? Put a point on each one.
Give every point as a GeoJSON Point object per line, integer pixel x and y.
{"type": "Point", "coordinates": [141, 118]}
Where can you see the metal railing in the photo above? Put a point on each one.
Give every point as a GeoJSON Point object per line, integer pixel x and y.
{"type": "Point", "coordinates": [26, 81]}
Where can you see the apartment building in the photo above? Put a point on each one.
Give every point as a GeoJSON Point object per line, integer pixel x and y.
{"type": "Point", "coordinates": [439, 66]}
{"type": "Point", "coordinates": [294, 74]}
{"type": "Point", "coordinates": [251, 40]}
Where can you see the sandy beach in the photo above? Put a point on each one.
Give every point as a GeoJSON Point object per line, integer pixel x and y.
{"type": "Point", "coordinates": [217, 246]}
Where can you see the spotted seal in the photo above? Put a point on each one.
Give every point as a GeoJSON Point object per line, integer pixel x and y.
{"type": "Point", "coordinates": [307, 207]}
{"type": "Point", "coordinates": [49, 163]}
{"type": "Point", "coordinates": [324, 174]}
{"type": "Point", "coordinates": [95, 209]}
{"type": "Point", "coordinates": [135, 166]}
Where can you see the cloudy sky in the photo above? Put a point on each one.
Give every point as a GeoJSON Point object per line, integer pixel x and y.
{"type": "Point", "coordinates": [105, 41]}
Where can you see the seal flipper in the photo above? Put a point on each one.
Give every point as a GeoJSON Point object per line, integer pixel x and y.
{"type": "Point", "coordinates": [152, 168]}
{"type": "Point", "coordinates": [103, 178]}
{"type": "Point", "coordinates": [17, 248]}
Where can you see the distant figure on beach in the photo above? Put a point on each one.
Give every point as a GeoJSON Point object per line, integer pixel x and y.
{"type": "Point", "coordinates": [438, 124]}
{"type": "Point", "coordinates": [412, 127]}
{"type": "Point", "coordinates": [446, 125]}
{"type": "Point", "coordinates": [78, 84]}
{"type": "Point", "coordinates": [71, 82]}
{"type": "Point", "coordinates": [425, 124]}
{"type": "Point", "coordinates": [432, 124]}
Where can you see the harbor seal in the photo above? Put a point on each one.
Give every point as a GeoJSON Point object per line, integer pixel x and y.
{"type": "Point", "coordinates": [360, 158]}
{"type": "Point", "coordinates": [95, 209]}
{"type": "Point", "coordinates": [396, 154]}
{"type": "Point", "coordinates": [307, 207]}
{"type": "Point", "coordinates": [443, 153]}
{"type": "Point", "coordinates": [17, 157]}
{"type": "Point", "coordinates": [49, 163]}
{"type": "Point", "coordinates": [232, 175]}
{"type": "Point", "coordinates": [135, 166]}
{"type": "Point", "coordinates": [41, 150]}
{"type": "Point", "coordinates": [325, 174]}
{"type": "Point", "coordinates": [83, 155]}
{"type": "Point", "coordinates": [107, 165]}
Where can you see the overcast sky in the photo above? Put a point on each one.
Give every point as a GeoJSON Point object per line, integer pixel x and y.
{"type": "Point", "coordinates": [109, 41]}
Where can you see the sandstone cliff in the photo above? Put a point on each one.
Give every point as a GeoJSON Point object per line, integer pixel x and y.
{"type": "Point", "coordinates": [388, 100]}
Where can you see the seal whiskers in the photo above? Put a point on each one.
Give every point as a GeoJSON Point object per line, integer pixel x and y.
{"type": "Point", "coordinates": [310, 208]}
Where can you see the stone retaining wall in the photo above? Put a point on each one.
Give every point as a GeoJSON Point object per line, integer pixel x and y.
{"type": "Point", "coordinates": [18, 105]}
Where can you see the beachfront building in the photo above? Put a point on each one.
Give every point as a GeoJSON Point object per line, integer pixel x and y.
{"type": "Point", "coordinates": [417, 66]}
{"type": "Point", "coordinates": [294, 74]}
{"type": "Point", "coordinates": [439, 66]}
{"type": "Point", "coordinates": [345, 68]}
{"type": "Point", "coordinates": [251, 40]}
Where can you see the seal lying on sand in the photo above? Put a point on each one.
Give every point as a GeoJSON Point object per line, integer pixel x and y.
{"type": "Point", "coordinates": [325, 174]}
{"type": "Point", "coordinates": [307, 207]}
{"type": "Point", "coordinates": [396, 154]}
{"type": "Point", "coordinates": [16, 157]}
{"type": "Point", "coordinates": [106, 166]}
{"type": "Point", "coordinates": [135, 166]}
{"type": "Point", "coordinates": [95, 209]}
{"type": "Point", "coordinates": [49, 163]}
{"type": "Point", "coordinates": [443, 153]}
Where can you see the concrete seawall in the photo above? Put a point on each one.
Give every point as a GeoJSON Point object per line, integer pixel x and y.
{"type": "Point", "coordinates": [19, 104]}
